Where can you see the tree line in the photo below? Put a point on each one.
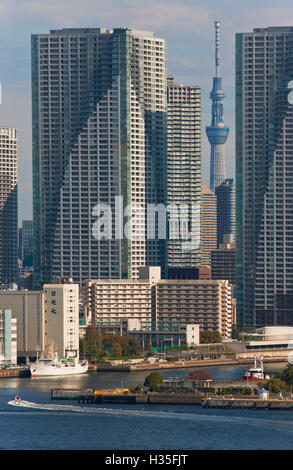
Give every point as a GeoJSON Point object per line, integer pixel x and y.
{"type": "Point", "coordinates": [95, 347]}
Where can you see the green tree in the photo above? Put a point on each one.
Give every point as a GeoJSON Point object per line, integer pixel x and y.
{"type": "Point", "coordinates": [130, 346]}
{"type": "Point", "coordinates": [109, 340]}
{"type": "Point", "coordinates": [91, 332]}
{"type": "Point", "coordinates": [117, 350]}
{"type": "Point", "coordinates": [287, 375]}
{"type": "Point", "coordinates": [206, 337]}
{"type": "Point", "coordinates": [237, 331]}
{"type": "Point", "coordinates": [125, 346]}
{"type": "Point", "coordinates": [91, 346]}
{"type": "Point", "coordinates": [135, 347]}
{"type": "Point", "coordinates": [153, 380]}
{"type": "Point", "coordinates": [276, 385]}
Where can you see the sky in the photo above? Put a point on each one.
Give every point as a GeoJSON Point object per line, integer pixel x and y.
{"type": "Point", "coordinates": [187, 25]}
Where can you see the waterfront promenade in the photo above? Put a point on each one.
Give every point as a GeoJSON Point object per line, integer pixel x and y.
{"type": "Point", "coordinates": [162, 365]}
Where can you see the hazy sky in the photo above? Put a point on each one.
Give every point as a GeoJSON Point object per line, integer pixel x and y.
{"type": "Point", "coordinates": [188, 26]}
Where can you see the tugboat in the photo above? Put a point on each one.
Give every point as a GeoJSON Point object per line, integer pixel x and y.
{"type": "Point", "coordinates": [256, 372]}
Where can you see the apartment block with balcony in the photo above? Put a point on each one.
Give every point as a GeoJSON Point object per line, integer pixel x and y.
{"type": "Point", "coordinates": [205, 302]}
{"type": "Point", "coordinates": [8, 206]}
{"type": "Point", "coordinates": [99, 111]}
{"type": "Point", "coordinates": [163, 304]}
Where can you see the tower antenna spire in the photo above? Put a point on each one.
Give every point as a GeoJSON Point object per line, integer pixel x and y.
{"type": "Point", "coordinates": [217, 132]}
{"type": "Point", "coordinates": [217, 49]}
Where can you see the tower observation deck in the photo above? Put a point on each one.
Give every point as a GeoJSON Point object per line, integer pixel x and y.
{"type": "Point", "coordinates": [217, 132]}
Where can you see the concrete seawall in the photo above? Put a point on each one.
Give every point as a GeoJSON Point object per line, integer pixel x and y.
{"type": "Point", "coordinates": [88, 396]}
{"type": "Point", "coordinates": [229, 403]}
{"type": "Point", "coordinates": [181, 364]}
{"type": "Point", "coordinates": [6, 373]}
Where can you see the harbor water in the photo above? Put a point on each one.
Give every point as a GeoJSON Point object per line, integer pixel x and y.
{"type": "Point", "coordinates": [45, 424]}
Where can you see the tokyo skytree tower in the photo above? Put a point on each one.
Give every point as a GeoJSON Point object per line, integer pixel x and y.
{"type": "Point", "coordinates": [217, 132]}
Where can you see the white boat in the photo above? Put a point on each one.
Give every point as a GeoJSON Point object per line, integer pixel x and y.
{"type": "Point", "coordinates": [17, 400]}
{"type": "Point", "coordinates": [57, 367]}
{"type": "Point", "coordinates": [256, 372]}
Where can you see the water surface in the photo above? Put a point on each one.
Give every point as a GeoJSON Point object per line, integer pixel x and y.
{"type": "Point", "coordinates": [42, 423]}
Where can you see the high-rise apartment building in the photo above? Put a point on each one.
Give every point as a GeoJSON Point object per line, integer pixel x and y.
{"type": "Point", "coordinates": [19, 251]}
{"type": "Point", "coordinates": [184, 166]}
{"type": "Point", "coordinates": [223, 263]}
{"type": "Point", "coordinates": [225, 193]}
{"type": "Point", "coordinates": [208, 225]}
{"type": "Point", "coordinates": [99, 135]}
{"type": "Point", "coordinates": [27, 241]}
{"type": "Point", "coordinates": [264, 171]}
{"type": "Point", "coordinates": [8, 206]}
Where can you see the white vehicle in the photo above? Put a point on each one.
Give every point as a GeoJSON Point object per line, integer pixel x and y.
{"type": "Point", "coordinates": [57, 367]}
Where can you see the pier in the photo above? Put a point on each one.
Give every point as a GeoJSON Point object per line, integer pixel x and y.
{"type": "Point", "coordinates": [252, 404]}
{"type": "Point", "coordinates": [90, 396]}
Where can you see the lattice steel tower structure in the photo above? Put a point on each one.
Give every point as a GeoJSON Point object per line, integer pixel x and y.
{"type": "Point", "coordinates": [217, 132]}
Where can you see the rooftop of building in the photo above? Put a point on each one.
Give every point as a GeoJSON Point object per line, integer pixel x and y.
{"type": "Point", "coordinates": [117, 281]}
{"type": "Point", "coordinates": [206, 190]}
{"type": "Point", "coordinates": [225, 247]}
{"type": "Point", "coordinates": [192, 281]}
{"type": "Point", "coordinates": [107, 31]}
{"type": "Point", "coordinates": [270, 29]}
{"type": "Point", "coordinates": [171, 82]}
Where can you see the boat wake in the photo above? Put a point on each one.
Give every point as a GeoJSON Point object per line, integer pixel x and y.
{"type": "Point", "coordinates": [187, 416]}
{"type": "Point", "coordinates": [96, 410]}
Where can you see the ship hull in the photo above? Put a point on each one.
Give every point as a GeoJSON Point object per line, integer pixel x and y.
{"type": "Point", "coordinates": [51, 371]}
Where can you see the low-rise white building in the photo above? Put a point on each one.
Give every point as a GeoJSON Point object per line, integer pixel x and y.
{"type": "Point", "coordinates": [192, 335]}
{"type": "Point", "coordinates": [47, 320]}
{"type": "Point", "coordinates": [8, 337]}
{"type": "Point", "coordinates": [61, 326]}
{"type": "Point", "coordinates": [269, 341]}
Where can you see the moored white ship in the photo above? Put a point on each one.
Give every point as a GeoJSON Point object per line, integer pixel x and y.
{"type": "Point", "coordinates": [57, 367]}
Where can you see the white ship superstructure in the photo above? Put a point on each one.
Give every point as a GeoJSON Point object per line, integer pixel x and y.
{"type": "Point", "coordinates": [57, 367]}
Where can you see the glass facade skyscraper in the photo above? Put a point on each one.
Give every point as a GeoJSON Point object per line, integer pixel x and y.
{"type": "Point", "coordinates": [208, 225]}
{"type": "Point", "coordinates": [184, 163]}
{"type": "Point", "coordinates": [99, 133]}
{"type": "Point", "coordinates": [225, 193]}
{"type": "Point", "coordinates": [264, 177]}
{"type": "Point", "coordinates": [27, 241]}
{"type": "Point", "coordinates": [8, 206]}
